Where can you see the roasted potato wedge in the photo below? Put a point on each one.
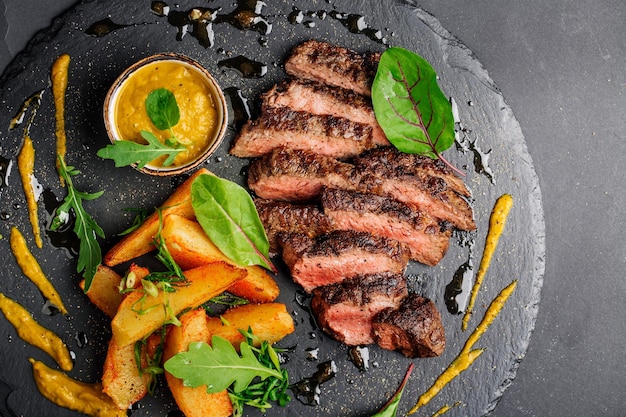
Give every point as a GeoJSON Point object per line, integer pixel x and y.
{"type": "Point", "coordinates": [136, 318]}
{"type": "Point", "coordinates": [104, 292]}
{"type": "Point", "coordinates": [191, 247]}
{"type": "Point", "coordinates": [269, 321]}
{"type": "Point", "coordinates": [193, 402]}
{"type": "Point", "coordinates": [121, 379]}
{"type": "Point", "coordinates": [140, 241]}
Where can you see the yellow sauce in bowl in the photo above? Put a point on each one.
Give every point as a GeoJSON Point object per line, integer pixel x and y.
{"type": "Point", "coordinates": [201, 103]}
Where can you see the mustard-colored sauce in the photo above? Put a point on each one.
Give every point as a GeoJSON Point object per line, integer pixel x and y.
{"type": "Point", "coordinates": [30, 267]}
{"type": "Point", "coordinates": [35, 334]}
{"type": "Point", "coordinates": [69, 393]}
{"type": "Point", "coordinates": [467, 356]}
{"type": "Point", "coordinates": [26, 166]}
{"type": "Point", "coordinates": [198, 111]}
{"type": "Point", "coordinates": [444, 409]}
{"type": "Point", "coordinates": [497, 221]}
{"type": "Point", "coordinates": [59, 77]}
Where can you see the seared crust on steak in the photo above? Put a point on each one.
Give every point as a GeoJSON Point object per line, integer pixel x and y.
{"type": "Point", "coordinates": [346, 310]}
{"type": "Point", "coordinates": [279, 217]}
{"type": "Point", "coordinates": [335, 256]}
{"type": "Point", "coordinates": [428, 170]}
{"type": "Point", "coordinates": [415, 328]}
{"type": "Point", "coordinates": [333, 65]}
{"type": "Point", "coordinates": [321, 99]}
{"type": "Point", "coordinates": [323, 134]}
{"type": "Point", "coordinates": [426, 238]}
{"type": "Point", "coordinates": [297, 176]}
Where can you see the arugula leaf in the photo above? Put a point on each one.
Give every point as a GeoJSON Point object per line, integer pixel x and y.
{"type": "Point", "coordinates": [85, 227]}
{"type": "Point", "coordinates": [409, 105]}
{"type": "Point", "coordinates": [229, 218]}
{"type": "Point", "coordinates": [126, 152]}
{"type": "Point", "coordinates": [162, 108]}
{"type": "Point", "coordinates": [391, 408]}
{"type": "Point", "coordinates": [218, 366]}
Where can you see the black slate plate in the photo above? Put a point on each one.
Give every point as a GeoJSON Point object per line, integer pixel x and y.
{"type": "Point", "coordinates": [487, 124]}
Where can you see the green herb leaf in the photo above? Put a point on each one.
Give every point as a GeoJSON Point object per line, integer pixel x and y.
{"type": "Point", "coordinates": [391, 408]}
{"type": "Point", "coordinates": [162, 108]}
{"type": "Point", "coordinates": [85, 227]}
{"type": "Point", "coordinates": [126, 152]}
{"type": "Point", "coordinates": [409, 106]}
{"type": "Point", "coordinates": [229, 218]}
{"type": "Point", "coordinates": [218, 366]}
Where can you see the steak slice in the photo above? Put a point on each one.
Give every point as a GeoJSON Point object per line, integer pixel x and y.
{"type": "Point", "coordinates": [345, 310]}
{"type": "Point", "coordinates": [335, 256]}
{"type": "Point", "coordinates": [426, 238]}
{"type": "Point", "coordinates": [333, 65]}
{"type": "Point", "coordinates": [280, 217]}
{"type": "Point", "coordinates": [415, 328]}
{"type": "Point", "coordinates": [320, 99]}
{"type": "Point", "coordinates": [391, 173]}
{"type": "Point", "coordinates": [390, 159]}
{"type": "Point", "coordinates": [323, 134]}
{"type": "Point", "coordinates": [297, 176]}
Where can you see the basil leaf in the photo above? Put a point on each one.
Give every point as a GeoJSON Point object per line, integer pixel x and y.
{"type": "Point", "coordinates": [162, 108]}
{"type": "Point", "coordinates": [126, 152]}
{"type": "Point", "coordinates": [409, 106]}
{"type": "Point", "coordinates": [229, 218]}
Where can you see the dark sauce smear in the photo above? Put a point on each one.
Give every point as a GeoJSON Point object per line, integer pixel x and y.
{"type": "Point", "coordinates": [360, 357]}
{"type": "Point", "coordinates": [81, 339]}
{"type": "Point", "coordinates": [247, 16]}
{"type": "Point", "coordinates": [5, 171]}
{"type": "Point", "coordinates": [103, 27]}
{"type": "Point", "coordinates": [31, 102]}
{"type": "Point", "coordinates": [355, 23]}
{"type": "Point", "coordinates": [307, 390]}
{"type": "Point", "coordinates": [245, 67]}
{"type": "Point", "coordinates": [480, 158]}
{"type": "Point", "coordinates": [50, 309]}
{"type": "Point", "coordinates": [199, 19]}
{"type": "Point", "coordinates": [458, 290]}
{"type": "Point", "coordinates": [64, 237]}
{"type": "Point", "coordinates": [239, 108]}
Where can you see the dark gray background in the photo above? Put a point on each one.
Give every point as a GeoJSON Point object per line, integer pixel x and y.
{"type": "Point", "coordinates": [561, 66]}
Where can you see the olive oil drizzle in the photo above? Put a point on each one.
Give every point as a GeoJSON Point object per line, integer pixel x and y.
{"type": "Point", "coordinates": [497, 221]}
{"type": "Point", "coordinates": [34, 333]}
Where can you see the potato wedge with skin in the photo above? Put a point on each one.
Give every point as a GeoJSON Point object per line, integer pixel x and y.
{"type": "Point", "coordinates": [140, 241]}
{"type": "Point", "coordinates": [193, 402]}
{"type": "Point", "coordinates": [121, 379]}
{"type": "Point", "coordinates": [191, 247]}
{"type": "Point", "coordinates": [269, 321]}
{"type": "Point", "coordinates": [104, 291]}
{"type": "Point", "coordinates": [135, 319]}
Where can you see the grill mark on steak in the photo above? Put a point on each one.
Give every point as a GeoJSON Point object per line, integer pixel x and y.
{"type": "Point", "coordinates": [279, 217]}
{"type": "Point", "coordinates": [427, 240]}
{"type": "Point", "coordinates": [335, 256]}
{"type": "Point", "coordinates": [345, 310]}
{"type": "Point", "coordinates": [297, 176]}
{"type": "Point", "coordinates": [283, 127]}
{"type": "Point", "coordinates": [333, 65]}
{"type": "Point", "coordinates": [415, 328]}
{"type": "Point", "coordinates": [320, 99]}
{"type": "Point", "coordinates": [428, 170]}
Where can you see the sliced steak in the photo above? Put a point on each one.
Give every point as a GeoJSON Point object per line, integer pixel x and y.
{"type": "Point", "coordinates": [279, 217]}
{"type": "Point", "coordinates": [323, 134]}
{"type": "Point", "coordinates": [390, 159]}
{"type": "Point", "coordinates": [333, 65]}
{"type": "Point", "coordinates": [346, 310]}
{"type": "Point", "coordinates": [426, 238]}
{"type": "Point", "coordinates": [297, 176]}
{"type": "Point", "coordinates": [322, 99]}
{"type": "Point", "coordinates": [415, 328]}
{"type": "Point", "coordinates": [335, 256]}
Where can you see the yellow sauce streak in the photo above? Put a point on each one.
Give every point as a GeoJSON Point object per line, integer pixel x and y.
{"type": "Point", "coordinates": [35, 334]}
{"type": "Point", "coordinates": [32, 270]}
{"type": "Point", "coordinates": [467, 356]}
{"type": "Point", "coordinates": [69, 393]}
{"type": "Point", "coordinates": [497, 221]}
{"type": "Point", "coordinates": [59, 85]}
{"type": "Point", "coordinates": [444, 409]}
{"type": "Point", "coordinates": [26, 166]}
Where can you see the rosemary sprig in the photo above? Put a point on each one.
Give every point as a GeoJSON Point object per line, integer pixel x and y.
{"type": "Point", "coordinates": [85, 227]}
